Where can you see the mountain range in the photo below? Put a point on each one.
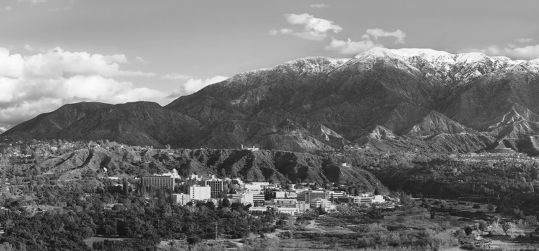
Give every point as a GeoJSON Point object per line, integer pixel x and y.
{"type": "Point", "coordinates": [404, 99]}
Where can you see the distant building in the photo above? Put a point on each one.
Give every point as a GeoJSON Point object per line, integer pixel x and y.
{"type": "Point", "coordinates": [246, 199]}
{"type": "Point", "coordinates": [336, 194]}
{"type": "Point", "coordinates": [199, 192]}
{"type": "Point", "coordinates": [285, 202]}
{"type": "Point", "coordinates": [195, 177]}
{"type": "Point", "coordinates": [256, 186]}
{"type": "Point", "coordinates": [258, 200]}
{"type": "Point", "coordinates": [362, 200]}
{"type": "Point", "coordinates": [302, 206]}
{"type": "Point", "coordinates": [234, 198]}
{"type": "Point", "coordinates": [217, 186]}
{"type": "Point", "coordinates": [344, 199]}
{"type": "Point", "coordinates": [378, 199]}
{"type": "Point", "coordinates": [287, 210]}
{"type": "Point", "coordinates": [181, 199]}
{"type": "Point", "coordinates": [173, 174]}
{"type": "Point", "coordinates": [312, 195]}
{"type": "Point", "coordinates": [166, 182]}
{"type": "Point", "coordinates": [286, 195]}
{"type": "Point", "coordinates": [249, 148]}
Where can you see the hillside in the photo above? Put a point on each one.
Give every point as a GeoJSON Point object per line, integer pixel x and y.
{"type": "Point", "coordinates": [446, 102]}
{"type": "Point", "coordinates": [274, 166]}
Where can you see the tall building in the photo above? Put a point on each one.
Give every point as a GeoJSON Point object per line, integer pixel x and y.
{"type": "Point", "coordinates": [199, 192]}
{"type": "Point", "coordinates": [166, 182]}
{"type": "Point", "coordinates": [217, 186]}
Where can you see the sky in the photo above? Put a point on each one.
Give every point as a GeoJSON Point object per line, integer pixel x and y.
{"type": "Point", "coordinates": [56, 52]}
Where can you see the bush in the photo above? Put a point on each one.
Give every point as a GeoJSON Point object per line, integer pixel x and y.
{"type": "Point", "coordinates": [193, 239]}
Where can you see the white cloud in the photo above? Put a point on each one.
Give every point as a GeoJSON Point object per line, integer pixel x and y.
{"type": "Point", "coordinates": [350, 47]}
{"type": "Point", "coordinates": [33, 2]}
{"type": "Point", "coordinates": [42, 82]}
{"type": "Point", "coordinates": [313, 28]}
{"type": "Point", "coordinates": [193, 85]}
{"type": "Point", "coordinates": [28, 47]}
{"type": "Point", "coordinates": [7, 8]}
{"type": "Point", "coordinates": [376, 33]}
{"type": "Point", "coordinates": [525, 40]}
{"type": "Point", "coordinates": [10, 65]}
{"type": "Point", "coordinates": [511, 51]}
{"type": "Point", "coordinates": [176, 76]}
{"type": "Point", "coordinates": [57, 62]}
{"type": "Point", "coordinates": [319, 6]}
{"type": "Point", "coordinates": [141, 60]}
{"type": "Point", "coordinates": [286, 31]}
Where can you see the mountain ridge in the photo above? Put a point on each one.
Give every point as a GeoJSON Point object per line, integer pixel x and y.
{"type": "Point", "coordinates": [320, 104]}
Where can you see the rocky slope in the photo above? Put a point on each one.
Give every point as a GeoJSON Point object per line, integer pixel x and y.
{"type": "Point", "coordinates": [451, 102]}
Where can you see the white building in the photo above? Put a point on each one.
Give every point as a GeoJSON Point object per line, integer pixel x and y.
{"type": "Point", "coordinates": [246, 199]}
{"type": "Point", "coordinates": [199, 192]}
{"type": "Point", "coordinates": [249, 148]}
{"type": "Point", "coordinates": [287, 210]}
{"type": "Point", "coordinates": [195, 177]}
{"type": "Point", "coordinates": [174, 174]}
{"type": "Point", "coordinates": [180, 198]}
{"type": "Point", "coordinates": [256, 186]}
{"type": "Point", "coordinates": [284, 194]}
{"type": "Point", "coordinates": [378, 199]}
{"type": "Point", "coordinates": [323, 203]}
{"type": "Point", "coordinates": [359, 200]}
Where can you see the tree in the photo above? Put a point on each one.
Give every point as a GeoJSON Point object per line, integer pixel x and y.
{"type": "Point", "coordinates": [226, 202]}
{"type": "Point", "coordinates": [507, 226]}
{"type": "Point", "coordinates": [468, 230]}
{"type": "Point", "coordinates": [482, 225]}
{"type": "Point", "coordinates": [125, 185]}
{"type": "Point", "coordinates": [193, 239]}
{"type": "Point", "coordinates": [432, 212]}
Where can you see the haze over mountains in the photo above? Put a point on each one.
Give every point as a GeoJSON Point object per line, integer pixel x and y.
{"type": "Point", "coordinates": [384, 99]}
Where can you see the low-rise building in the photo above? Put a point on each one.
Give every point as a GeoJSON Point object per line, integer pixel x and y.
{"type": "Point", "coordinates": [181, 199]}
{"type": "Point", "coordinates": [378, 199]}
{"type": "Point", "coordinates": [197, 192]}
{"type": "Point", "coordinates": [246, 199]}
{"type": "Point", "coordinates": [362, 200]}
{"type": "Point", "coordinates": [256, 186]}
{"type": "Point", "coordinates": [258, 200]}
{"type": "Point", "coordinates": [302, 206]}
{"type": "Point", "coordinates": [234, 198]}
{"type": "Point", "coordinates": [166, 182]}
{"type": "Point", "coordinates": [286, 194]}
{"type": "Point", "coordinates": [284, 202]}
{"type": "Point", "coordinates": [312, 195]}
{"type": "Point", "coordinates": [287, 210]}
